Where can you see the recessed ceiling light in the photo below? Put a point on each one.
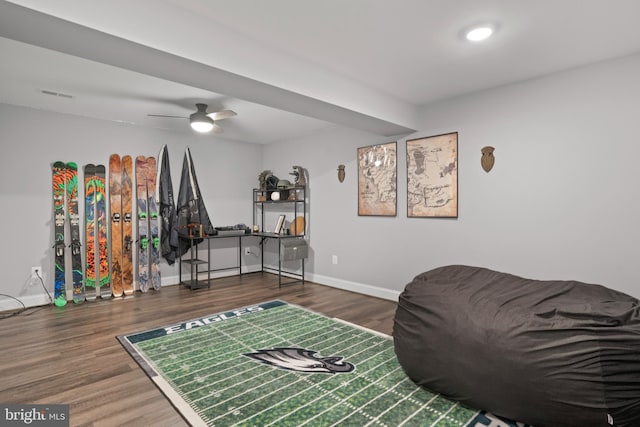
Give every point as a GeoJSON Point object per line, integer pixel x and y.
{"type": "Point", "coordinates": [479, 33]}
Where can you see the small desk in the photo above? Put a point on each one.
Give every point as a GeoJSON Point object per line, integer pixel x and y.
{"type": "Point", "coordinates": [195, 262]}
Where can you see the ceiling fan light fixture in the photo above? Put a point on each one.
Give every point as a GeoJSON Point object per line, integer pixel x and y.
{"type": "Point", "coordinates": [199, 120]}
{"type": "Point", "coordinates": [202, 126]}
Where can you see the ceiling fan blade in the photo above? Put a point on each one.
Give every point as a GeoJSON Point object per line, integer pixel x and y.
{"type": "Point", "coordinates": [217, 128]}
{"type": "Point", "coordinates": [171, 117]}
{"type": "Point", "coordinates": [220, 115]}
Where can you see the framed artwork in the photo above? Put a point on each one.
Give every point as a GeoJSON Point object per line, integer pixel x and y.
{"type": "Point", "coordinates": [377, 180]}
{"type": "Point", "coordinates": [432, 176]}
{"type": "Point", "coordinates": [279, 224]}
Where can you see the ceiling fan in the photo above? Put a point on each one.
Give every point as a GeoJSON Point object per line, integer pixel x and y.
{"type": "Point", "coordinates": [203, 122]}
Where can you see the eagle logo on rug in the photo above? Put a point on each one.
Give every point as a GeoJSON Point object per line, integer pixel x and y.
{"type": "Point", "coordinates": [301, 360]}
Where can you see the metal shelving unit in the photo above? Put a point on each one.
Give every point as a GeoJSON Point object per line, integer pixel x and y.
{"type": "Point", "coordinates": [261, 202]}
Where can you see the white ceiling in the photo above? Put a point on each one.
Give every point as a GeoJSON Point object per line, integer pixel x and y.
{"type": "Point", "coordinates": [291, 67]}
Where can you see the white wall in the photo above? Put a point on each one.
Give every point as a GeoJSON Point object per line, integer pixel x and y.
{"type": "Point", "coordinates": [561, 202]}
{"type": "Point", "coordinates": [32, 140]}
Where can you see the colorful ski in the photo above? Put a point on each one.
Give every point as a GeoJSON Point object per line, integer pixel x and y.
{"type": "Point", "coordinates": [90, 275]}
{"type": "Point", "coordinates": [115, 206]}
{"type": "Point", "coordinates": [59, 178]}
{"type": "Point", "coordinates": [152, 206]}
{"type": "Point", "coordinates": [143, 223]}
{"type": "Point", "coordinates": [127, 226]}
{"type": "Point", "coordinates": [101, 228]}
{"type": "Point", "coordinates": [74, 221]}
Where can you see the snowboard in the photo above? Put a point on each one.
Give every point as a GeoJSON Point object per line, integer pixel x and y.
{"type": "Point", "coordinates": [58, 191]}
{"type": "Point", "coordinates": [143, 223]}
{"type": "Point", "coordinates": [115, 206]}
{"type": "Point", "coordinates": [154, 243]}
{"type": "Point", "coordinates": [101, 228]}
{"type": "Point", "coordinates": [127, 225]}
{"type": "Point", "coordinates": [74, 228]}
{"type": "Point", "coordinates": [90, 274]}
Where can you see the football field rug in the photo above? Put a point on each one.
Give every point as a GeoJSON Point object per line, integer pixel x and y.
{"type": "Point", "coordinates": [276, 364]}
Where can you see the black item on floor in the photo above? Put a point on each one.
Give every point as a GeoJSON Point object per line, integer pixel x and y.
{"type": "Point", "coordinates": [547, 353]}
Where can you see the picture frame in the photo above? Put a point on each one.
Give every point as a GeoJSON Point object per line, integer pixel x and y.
{"type": "Point", "coordinates": [432, 176]}
{"type": "Point", "coordinates": [279, 224]}
{"type": "Point", "coordinates": [377, 180]}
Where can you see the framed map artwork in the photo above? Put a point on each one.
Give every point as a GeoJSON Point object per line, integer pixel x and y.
{"type": "Point", "coordinates": [432, 176]}
{"type": "Point", "coordinates": [377, 180]}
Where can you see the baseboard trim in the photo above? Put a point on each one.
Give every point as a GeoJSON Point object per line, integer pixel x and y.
{"type": "Point", "coordinates": [360, 288]}
{"type": "Point", "coordinates": [29, 301]}
{"type": "Point", "coordinates": [175, 279]}
{"type": "Point", "coordinates": [7, 304]}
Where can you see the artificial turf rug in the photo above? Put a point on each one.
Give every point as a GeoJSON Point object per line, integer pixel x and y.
{"type": "Point", "coordinates": [283, 365]}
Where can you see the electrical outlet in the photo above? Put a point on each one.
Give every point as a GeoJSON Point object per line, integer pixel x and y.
{"type": "Point", "coordinates": [247, 251]}
{"type": "Point", "coordinates": [35, 270]}
{"type": "Point", "coordinates": [334, 259]}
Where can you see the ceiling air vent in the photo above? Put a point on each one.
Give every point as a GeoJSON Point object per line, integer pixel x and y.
{"type": "Point", "coordinates": [52, 93]}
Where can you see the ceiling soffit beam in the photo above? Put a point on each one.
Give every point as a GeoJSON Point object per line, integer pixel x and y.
{"type": "Point", "coordinates": [32, 27]}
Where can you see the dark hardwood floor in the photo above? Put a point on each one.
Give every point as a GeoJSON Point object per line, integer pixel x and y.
{"type": "Point", "coordinates": [70, 355]}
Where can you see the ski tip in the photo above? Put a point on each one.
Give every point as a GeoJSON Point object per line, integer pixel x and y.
{"type": "Point", "coordinates": [60, 301]}
{"type": "Point", "coordinates": [58, 165]}
{"type": "Point", "coordinates": [100, 168]}
{"type": "Point", "coordinates": [89, 170]}
{"type": "Point", "coordinates": [127, 162]}
{"type": "Point", "coordinates": [72, 166]}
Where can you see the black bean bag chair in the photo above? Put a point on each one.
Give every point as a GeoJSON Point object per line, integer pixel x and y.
{"type": "Point", "coordinates": [547, 353]}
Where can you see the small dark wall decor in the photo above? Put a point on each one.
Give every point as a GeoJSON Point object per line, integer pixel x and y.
{"type": "Point", "coordinates": [487, 160]}
{"type": "Point", "coordinates": [341, 173]}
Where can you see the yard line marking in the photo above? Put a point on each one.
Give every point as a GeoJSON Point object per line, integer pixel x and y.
{"type": "Point", "coordinates": [262, 397]}
{"type": "Point", "coordinates": [392, 406]}
{"type": "Point", "coordinates": [358, 375]}
{"type": "Point", "coordinates": [444, 415]}
{"type": "Point", "coordinates": [420, 409]}
{"type": "Point", "coordinates": [344, 399]}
